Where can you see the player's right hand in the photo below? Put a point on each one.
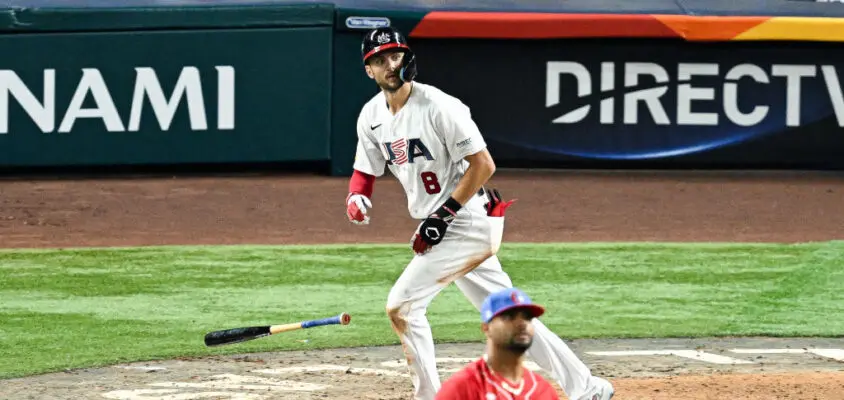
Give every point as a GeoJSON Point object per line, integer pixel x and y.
{"type": "Point", "coordinates": [356, 207]}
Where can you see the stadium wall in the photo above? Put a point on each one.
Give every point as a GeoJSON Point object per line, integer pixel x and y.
{"type": "Point", "coordinates": [591, 84]}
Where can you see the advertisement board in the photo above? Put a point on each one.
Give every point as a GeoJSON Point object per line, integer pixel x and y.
{"type": "Point", "coordinates": [165, 97]}
{"type": "Point", "coordinates": [646, 102]}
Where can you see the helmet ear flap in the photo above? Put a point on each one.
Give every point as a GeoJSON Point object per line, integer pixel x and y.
{"type": "Point", "coordinates": [408, 68]}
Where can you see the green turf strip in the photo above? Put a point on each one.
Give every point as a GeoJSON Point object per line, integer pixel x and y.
{"type": "Point", "coordinates": [88, 307]}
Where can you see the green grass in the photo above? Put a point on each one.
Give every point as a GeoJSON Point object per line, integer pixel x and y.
{"type": "Point", "coordinates": [90, 307]}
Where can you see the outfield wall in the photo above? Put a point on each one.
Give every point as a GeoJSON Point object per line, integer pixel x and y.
{"type": "Point", "coordinates": [656, 84]}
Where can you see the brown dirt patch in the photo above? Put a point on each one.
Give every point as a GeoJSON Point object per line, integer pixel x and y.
{"type": "Point", "coordinates": [552, 206]}
{"type": "Point", "coordinates": [795, 385]}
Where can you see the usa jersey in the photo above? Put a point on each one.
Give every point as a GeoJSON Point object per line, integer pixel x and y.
{"type": "Point", "coordinates": [477, 382]}
{"type": "Point", "coordinates": [423, 145]}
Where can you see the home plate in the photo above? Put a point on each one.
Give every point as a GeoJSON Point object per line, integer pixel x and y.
{"type": "Point", "coordinates": [835, 354]}
{"type": "Point", "coordinates": [691, 354]}
{"type": "Point", "coordinates": [330, 367]}
{"type": "Point", "coordinates": [239, 382]}
{"type": "Point", "coordinates": [141, 367]}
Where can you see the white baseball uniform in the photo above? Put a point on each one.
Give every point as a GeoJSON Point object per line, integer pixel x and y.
{"type": "Point", "coordinates": [424, 145]}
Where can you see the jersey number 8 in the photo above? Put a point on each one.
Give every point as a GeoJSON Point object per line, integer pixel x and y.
{"type": "Point", "coordinates": [432, 184]}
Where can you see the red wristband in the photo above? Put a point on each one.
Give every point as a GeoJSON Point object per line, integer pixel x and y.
{"type": "Point", "coordinates": [361, 183]}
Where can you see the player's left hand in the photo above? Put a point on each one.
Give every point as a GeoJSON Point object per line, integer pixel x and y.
{"type": "Point", "coordinates": [496, 206]}
{"type": "Point", "coordinates": [432, 230]}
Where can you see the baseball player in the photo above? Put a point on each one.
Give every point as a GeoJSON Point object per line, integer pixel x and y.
{"type": "Point", "coordinates": [432, 146]}
{"type": "Point", "coordinates": [506, 317]}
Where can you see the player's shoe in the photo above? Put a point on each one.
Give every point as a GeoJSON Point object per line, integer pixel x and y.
{"type": "Point", "coordinates": [603, 390]}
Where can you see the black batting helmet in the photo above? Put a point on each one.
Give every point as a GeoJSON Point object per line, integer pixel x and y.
{"type": "Point", "coordinates": [381, 39]}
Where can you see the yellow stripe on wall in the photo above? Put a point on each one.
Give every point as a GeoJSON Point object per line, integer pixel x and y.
{"type": "Point", "coordinates": [796, 28]}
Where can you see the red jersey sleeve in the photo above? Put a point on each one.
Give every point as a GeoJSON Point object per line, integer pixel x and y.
{"type": "Point", "coordinates": [543, 390]}
{"type": "Point", "coordinates": [454, 390]}
{"type": "Point", "coordinates": [463, 385]}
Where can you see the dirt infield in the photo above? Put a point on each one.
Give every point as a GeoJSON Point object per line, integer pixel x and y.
{"type": "Point", "coordinates": [552, 206]}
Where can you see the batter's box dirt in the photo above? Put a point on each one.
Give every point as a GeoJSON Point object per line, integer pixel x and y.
{"type": "Point", "coordinates": [747, 368]}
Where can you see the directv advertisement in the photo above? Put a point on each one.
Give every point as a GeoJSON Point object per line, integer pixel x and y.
{"type": "Point", "coordinates": [546, 102]}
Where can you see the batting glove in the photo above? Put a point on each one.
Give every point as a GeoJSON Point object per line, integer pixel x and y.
{"type": "Point", "coordinates": [496, 207]}
{"type": "Point", "coordinates": [356, 206]}
{"type": "Point", "coordinates": [432, 230]}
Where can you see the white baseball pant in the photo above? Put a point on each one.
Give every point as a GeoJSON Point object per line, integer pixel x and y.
{"type": "Point", "coordinates": [466, 256]}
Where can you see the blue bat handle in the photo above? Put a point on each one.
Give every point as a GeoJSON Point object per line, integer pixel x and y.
{"type": "Point", "coordinates": [320, 322]}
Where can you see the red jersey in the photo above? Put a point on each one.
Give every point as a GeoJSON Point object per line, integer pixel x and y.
{"type": "Point", "coordinates": [477, 382]}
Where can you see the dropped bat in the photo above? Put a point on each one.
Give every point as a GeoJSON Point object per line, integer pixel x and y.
{"type": "Point", "coordinates": [237, 335]}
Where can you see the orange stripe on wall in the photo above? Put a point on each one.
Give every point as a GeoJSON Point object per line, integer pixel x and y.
{"type": "Point", "coordinates": [709, 28]}
{"type": "Point", "coordinates": [447, 24]}
{"type": "Point", "coordinates": [504, 25]}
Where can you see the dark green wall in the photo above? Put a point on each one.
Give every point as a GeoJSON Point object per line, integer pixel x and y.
{"type": "Point", "coordinates": [294, 85]}
{"type": "Point", "coordinates": [352, 89]}
{"type": "Point", "coordinates": [276, 85]}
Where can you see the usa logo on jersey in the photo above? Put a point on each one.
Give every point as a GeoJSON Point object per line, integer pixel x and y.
{"type": "Point", "coordinates": [398, 150]}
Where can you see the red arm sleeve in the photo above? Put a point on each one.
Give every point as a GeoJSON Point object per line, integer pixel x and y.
{"type": "Point", "coordinates": [362, 183]}
{"type": "Point", "coordinates": [451, 391]}
{"type": "Point", "coordinates": [458, 387]}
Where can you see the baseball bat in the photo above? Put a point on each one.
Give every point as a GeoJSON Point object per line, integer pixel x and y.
{"type": "Point", "coordinates": [237, 335]}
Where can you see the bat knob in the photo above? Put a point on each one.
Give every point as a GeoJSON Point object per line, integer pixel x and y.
{"type": "Point", "coordinates": [345, 318]}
